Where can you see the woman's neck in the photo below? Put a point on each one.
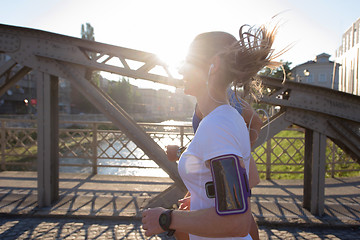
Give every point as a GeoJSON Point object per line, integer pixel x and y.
{"type": "Point", "coordinates": [209, 100]}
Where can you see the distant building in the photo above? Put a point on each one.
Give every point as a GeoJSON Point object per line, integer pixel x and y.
{"type": "Point", "coordinates": [164, 105]}
{"type": "Point", "coordinates": [347, 56]}
{"type": "Point", "coordinates": [22, 97]}
{"type": "Point", "coordinates": [318, 72]}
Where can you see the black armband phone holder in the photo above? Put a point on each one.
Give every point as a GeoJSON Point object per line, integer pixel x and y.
{"type": "Point", "coordinates": [230, 185]}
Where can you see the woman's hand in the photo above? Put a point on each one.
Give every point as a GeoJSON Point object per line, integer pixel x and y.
{"type": "Point", "coordinates": [185, 203]}
{"type": "Point", "coordinates": [171, 152]}
{"type": "Point", "coordinates": [150, 220]}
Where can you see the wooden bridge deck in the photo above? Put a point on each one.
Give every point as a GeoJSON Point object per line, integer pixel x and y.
{"type": "Point", "coordinates": [83, 195]}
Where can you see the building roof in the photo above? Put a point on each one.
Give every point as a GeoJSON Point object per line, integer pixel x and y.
{"type": "Point", "coordinates": [322, 55]}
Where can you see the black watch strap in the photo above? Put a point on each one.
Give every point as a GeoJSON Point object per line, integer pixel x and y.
{"type": "Point", "coordinates": [170, 232]}
{"type": "Point", "coordinates": [165, 221]}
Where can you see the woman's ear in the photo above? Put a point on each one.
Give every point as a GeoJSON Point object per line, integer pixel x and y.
{"type": "Point", "coordinates": [214, 67]}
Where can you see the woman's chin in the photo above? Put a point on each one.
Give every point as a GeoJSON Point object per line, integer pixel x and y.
{"type": "Point", "coordinates": [188, 92]}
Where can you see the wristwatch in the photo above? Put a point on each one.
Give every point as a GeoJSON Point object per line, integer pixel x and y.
{"type": "Point", "coordinates": [165, 221]}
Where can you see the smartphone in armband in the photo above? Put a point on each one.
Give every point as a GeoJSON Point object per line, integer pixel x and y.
{"type": "Point", "coordinates": [231, 185]}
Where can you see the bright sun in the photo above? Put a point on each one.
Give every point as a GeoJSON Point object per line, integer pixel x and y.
{"type": "Point", "coordinates": [173, 57]}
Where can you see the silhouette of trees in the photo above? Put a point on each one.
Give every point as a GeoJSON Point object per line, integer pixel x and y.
{"type": "Point", "coordinates": [79, 104]}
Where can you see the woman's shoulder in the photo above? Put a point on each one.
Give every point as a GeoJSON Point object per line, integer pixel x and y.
{"type": "Point", "coordinates": [224, 114]}
{"type": "Point", "coordinates": [223, 111]}
{"type": "Point", "coordinates": [224, 117]}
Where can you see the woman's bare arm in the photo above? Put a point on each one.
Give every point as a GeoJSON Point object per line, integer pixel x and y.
{"type": "Point", "coordinates": [205, 222]}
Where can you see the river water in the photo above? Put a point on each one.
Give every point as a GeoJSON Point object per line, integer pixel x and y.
{"type": "Point", "coordinates": [148, 168]}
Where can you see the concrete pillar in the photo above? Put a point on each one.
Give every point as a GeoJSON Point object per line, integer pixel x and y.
{"type": "Point", "coordinates": [48, 139]}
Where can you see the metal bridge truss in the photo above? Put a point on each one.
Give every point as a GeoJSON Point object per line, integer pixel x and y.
{"type": "Point", "coordinates": [322, 112]}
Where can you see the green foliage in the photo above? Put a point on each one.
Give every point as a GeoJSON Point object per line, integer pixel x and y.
{"type": "Point", "coordinates": [121, 92]}
{"type": "Point", "coordinates": [293, 148]}
{"type": "Point", "coordinates": [20, 137]}
{"type": "Point", "coordinates": [87, 32]}
{"type": "Point", "coordinates": [278, 72]}
{"type": "Point", "coordinates": [126, 95]}
{"type": "Point", "coordinates": [79, 102]}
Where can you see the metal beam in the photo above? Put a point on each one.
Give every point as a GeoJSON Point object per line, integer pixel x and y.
{"type": "Point", "coordinates": [348, 136]}
{"type": "Point", "coordinates": [6, 67]}
{"type": "Point", "coordinates": [312, 98]}
{"type": "Point", "coordinates": [120, 119]}
{"type": "Point", "coordinates": [311, 120]}
{"type": "Point", "coordinates": [24, 45]}
{"type": "Point", "coordinates": [335, 128]}
{"type": "Point", "coordinates": [42, 51]}
{"type": "Point", "coordinates": [308, 168]}
{"type": "Point", "coordinates": [275, 125]}
{"type": "Point", "coordinates": [14, 79]}
{"type": "Point", "coordinates": [48, 139]}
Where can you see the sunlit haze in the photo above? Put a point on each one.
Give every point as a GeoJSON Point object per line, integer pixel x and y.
{"type": "Point", "coordinates": [166, 27]}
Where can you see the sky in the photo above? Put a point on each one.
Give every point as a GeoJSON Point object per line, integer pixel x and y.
{"type": "Point", "coordinates": [166, 27]}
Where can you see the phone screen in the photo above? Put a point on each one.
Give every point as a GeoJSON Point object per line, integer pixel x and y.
{"type": "Point", "coordinates": [228, 177]}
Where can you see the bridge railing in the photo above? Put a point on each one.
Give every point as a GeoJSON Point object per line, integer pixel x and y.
{"type": "Point", "coordinates": [99, 147]}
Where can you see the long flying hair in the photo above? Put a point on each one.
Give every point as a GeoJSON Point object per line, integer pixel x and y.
{"type": "Point", "coordinates": [243, 58]}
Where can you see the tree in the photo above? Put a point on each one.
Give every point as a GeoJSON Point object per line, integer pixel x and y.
{"type": "Point", "coordinates": [79, 103]}
{"type": "Point", "coordinates": [122, 93]}
{"type": "Point", "coordinates": [87, 32]}
{"type": "Point", "coordinates": [278, 72]}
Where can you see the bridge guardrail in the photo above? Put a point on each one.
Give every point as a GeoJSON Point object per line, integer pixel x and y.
{"type": "Point", "coordinates": [91, 145]}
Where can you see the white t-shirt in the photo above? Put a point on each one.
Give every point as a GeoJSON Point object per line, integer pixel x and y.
{"type": "Point", "coordinates": [223, 131]}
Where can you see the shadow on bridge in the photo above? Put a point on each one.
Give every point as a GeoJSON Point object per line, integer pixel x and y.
{"type": "Point", "coordinates": [281, 201]}
{"type": "Point", "coordinates": [118, 197]}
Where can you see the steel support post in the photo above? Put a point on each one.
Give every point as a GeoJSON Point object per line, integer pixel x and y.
{"type": "Point", "coordinates": [314, 172]}
{"type": "Point", "coordinates": [48, 139]}
{"type": "Point", "coordinates": [307, 168]}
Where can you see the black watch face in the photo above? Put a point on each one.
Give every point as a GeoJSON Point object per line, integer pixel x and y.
{"type": "Point", "coordinates": [163, 219]}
